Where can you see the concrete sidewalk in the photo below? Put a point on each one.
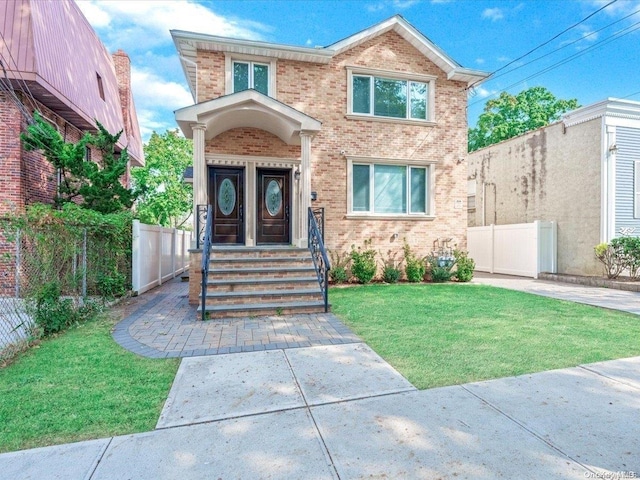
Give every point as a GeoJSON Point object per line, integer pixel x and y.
{"type": "Point", "coordinates": [340, 411]}
{"type": "Point", "coordinates": [625, 301]}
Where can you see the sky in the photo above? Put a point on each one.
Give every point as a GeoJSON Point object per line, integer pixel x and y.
{"type": "Point", "coordinates": [591, 61]}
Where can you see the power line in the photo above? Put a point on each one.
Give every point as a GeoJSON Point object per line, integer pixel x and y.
{"type": "Point", "coordinates": [602, 43]}
{"type": "Point", "coordinates": [565, 45]}
{"type": "Point", "coordinates": [544, 43]}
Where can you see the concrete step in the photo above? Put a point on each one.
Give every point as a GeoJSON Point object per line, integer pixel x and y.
{"type": "Point", "coordinates": [260, 262]}
{"type": "Point", "coordinates": [260, 272]}
{"type": "Point", "coordinates": [264, 296]}
{"type": "Point", "coordinates": [219, 285]}
{"type": "Point", "coordinates": [261, 309]}
{"type": "Point", "coordinates": [258, 252]}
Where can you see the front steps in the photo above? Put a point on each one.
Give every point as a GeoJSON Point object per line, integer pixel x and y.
{"type": "Point", "coordinates": [257, 281]}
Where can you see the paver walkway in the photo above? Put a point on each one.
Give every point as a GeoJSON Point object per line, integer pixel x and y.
{"type": "Point", "coordinates": [162, 324]}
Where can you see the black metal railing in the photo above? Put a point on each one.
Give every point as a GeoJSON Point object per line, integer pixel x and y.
{"type": "Point", "coordinates": [319, 252]}
{"type": "Point", "coordinates": [318, 213]}
{"type": "Point", "coordinates": [201, 220]}
{"type": "Point", "coordinates": [206, 252]}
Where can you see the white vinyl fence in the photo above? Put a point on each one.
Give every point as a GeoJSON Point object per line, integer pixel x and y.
{"type": "Point", "coordinates": [523, 249]}
{"type": "Point", "coordinates": [159, 254]}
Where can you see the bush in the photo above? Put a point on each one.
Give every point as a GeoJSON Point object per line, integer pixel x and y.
{"type": "Point", "coordinates": [415, 267]}
{"type": "Point", "coordinates": [364, 262]}
{"type": "Point", "coordinates": [628, 249]}
{"type": "Point", "coordinates": [50, 312]}
{"type": "Point", "coordinates": [440, 266]}
{"type": "Point", "coordinates": [111, 285]}
{"type": "Point", "coordinates": [339, 264]}
{"type": "Point", "coordinates": [390, 268]}
{"type": "Point", "coordinates": [611, 258]}
{"type": "Point", "coordinates": [464, 266]}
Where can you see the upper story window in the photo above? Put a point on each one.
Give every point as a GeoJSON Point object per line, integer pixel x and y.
{"type": "Point", "coordinates": [250, 75]}
{"type": "Point", "coordinates": [390, 95]}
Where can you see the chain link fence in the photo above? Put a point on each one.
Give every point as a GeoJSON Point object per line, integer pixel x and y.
{"type": "Point", "coordinates": [81, 261]}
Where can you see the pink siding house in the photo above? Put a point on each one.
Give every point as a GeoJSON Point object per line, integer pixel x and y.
{"type": "Point", "coordinates": [56, 64]}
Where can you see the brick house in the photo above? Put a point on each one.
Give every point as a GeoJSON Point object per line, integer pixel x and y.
{"type": "Point", "coordinates": [582, 172]}
{"type": "Point", "coordinates": [67, 75]}
{"type": "Point", "coordinates": [372, 128]}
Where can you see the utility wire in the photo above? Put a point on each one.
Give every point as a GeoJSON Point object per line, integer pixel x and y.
{"type": "Point", "coordinates": [544, 43]}
{"type": "Point", "coordinates": [620, 33]}
{"type": "Point", "coordinates": [565, 45]}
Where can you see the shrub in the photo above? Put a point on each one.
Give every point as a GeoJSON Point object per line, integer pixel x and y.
{"type": "Point", "coordinates": [628, 248]}
{"type": "Point", "coordinates": [464, 266]}
{"type": "Point", "coordinates": [50, 312]}
{"type": "Point", "coordinates": [339, 265]}
{"type": "Point", "coordinates": [439, 266]}
{"type": "Point", "coordinates": [390, 268]}
{"type": "Point", "coordinates": [364, 262]}
{"type": "Point", "coordinates": [415, 267]}
{"type": "Point", "coordinates": [611, 258]}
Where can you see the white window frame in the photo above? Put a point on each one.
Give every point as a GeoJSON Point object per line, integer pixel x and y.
{"type": "Point", "coordinates": [636, 189]}
{"type": "Point", "coordinates": [429, 80]}
{"type": "Point", "coordinates": [270, 62]}
{"type": "Point", "coordinates": [429, 168]}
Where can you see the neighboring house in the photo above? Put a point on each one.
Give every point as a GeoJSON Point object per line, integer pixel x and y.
{"type": "Point", "coordinates": [582, 172]}
{"type": "Point", "coordinates": [54, 63]}
{"type": "Point", "coordinates": [372, 128]}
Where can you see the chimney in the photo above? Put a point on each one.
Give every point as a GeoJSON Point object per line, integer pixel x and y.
{"type": "Point", "coordinates": [122, 65]}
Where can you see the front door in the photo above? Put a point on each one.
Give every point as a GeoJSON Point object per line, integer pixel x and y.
{"type": "Point", "coordinates": [273, 206]}
{"type": "Point", "coordinates": [227, 198]}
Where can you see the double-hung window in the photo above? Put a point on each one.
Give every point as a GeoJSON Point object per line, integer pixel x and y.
{"type": "Point", "coordinates": [250, 75]}
{"type": "Point", "coordinates": [382, 95]}
{"type": "Point", "coordinates": [389, 189]}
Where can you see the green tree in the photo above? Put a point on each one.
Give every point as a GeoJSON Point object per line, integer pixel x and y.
{"type": "Point", "coordinates": [164, 198]}
{"type": "Point", "coordinates": [509, 116]}
{"type": "Point", "coordinates": [94, 185]}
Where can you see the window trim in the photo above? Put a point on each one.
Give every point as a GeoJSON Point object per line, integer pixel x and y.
{"type": "Point", "coordinates": [429, 166]}
{"type": "Point", "coordinates": [270, 62]}
{"type": "Point", "coordinates": [430, 80]}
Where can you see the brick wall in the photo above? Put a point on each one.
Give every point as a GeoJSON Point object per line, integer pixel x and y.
{"type": "Point", "coordinates": [321, 92]}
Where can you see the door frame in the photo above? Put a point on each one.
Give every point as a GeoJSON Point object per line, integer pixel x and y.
{"type": "Point", "coordinates": [240, 199]}
{"type": "Point", "coordinates": [287, 202]}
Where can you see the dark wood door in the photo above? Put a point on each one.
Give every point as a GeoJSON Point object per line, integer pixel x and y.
{"type": "Point", "coordinates": [226, 194]}
{"type": "Point", "coordinates": [273, 204]}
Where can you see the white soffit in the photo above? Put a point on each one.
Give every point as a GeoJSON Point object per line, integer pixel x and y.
{"type": "Point", "coordinates": [611, 107]}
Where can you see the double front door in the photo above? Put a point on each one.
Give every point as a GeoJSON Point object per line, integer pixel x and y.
{"type": "Point", "coordinates": [272, 205]}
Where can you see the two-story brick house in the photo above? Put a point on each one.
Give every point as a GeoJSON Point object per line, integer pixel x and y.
{"type": "Point", "coordinates": [372, 128]}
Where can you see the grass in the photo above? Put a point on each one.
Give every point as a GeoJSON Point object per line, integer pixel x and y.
{"type": "Point", "coordinates": [80, 385]}
{"type": "Point", "coordinates": [448, 334]}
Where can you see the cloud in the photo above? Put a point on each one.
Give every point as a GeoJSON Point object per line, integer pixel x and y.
{"type": "Point", "coordinates": [144, 24]}
{"type": "Point", "coordinates": [479, 61]}
{"type": "Point", "coordinates": [149, 87]}
{"type": "Point", "coordinates": [493, 14]}
{"type": "Point", "coordinates": [391, 5]}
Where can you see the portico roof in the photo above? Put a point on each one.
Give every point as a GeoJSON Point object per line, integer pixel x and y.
{"type": "Point", "coordinates": [248, 108]}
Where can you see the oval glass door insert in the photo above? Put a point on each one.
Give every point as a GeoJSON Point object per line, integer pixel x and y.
{"type": "Point", "coordinates": [273, 198]}
{"type": "Point", "coordinates": [226, 197]}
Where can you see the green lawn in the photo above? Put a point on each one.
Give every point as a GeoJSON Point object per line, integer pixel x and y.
{"type": "Point", "coordinates": [448, 334]}
{"type": "Point", "coordinates": [80, 385]}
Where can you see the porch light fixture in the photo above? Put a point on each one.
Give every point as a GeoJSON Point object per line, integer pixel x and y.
{"type": "Point", "coordinates": [296, 173]}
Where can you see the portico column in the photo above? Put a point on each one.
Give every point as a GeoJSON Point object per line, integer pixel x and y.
{"type": "Point", "coordinates": [305, 186]}
{"type": "Point", "coordinates": [199, 170]}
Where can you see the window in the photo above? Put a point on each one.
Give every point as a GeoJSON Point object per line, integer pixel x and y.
{"type": "Point", "coordinates": [636, 189]}
{"type": "Point", "coordinates": [100, 86]}
{"type": "Point", "coordinates": [385, 96]}
{"type": "Point", "coordinates": [250, 75]}
{"type": "Point", "coordinates": [389, 189]}
{"type": "Point", "coordinates": [471, 194]}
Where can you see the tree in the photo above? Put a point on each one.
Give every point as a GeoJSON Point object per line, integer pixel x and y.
{"type": "Point", "coordinates": [509, 116]}
{"type": "Point", "coordinates": [95, 186]}
{"type": "Point", "coordinates": [164, 198]}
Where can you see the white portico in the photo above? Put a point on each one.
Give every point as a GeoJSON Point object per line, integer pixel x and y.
{"type": "Point", "coordinates": [252, 109]}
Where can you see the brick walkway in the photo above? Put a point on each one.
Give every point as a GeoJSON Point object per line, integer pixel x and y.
{"type": "Point", "coordinates": [161, 323]}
